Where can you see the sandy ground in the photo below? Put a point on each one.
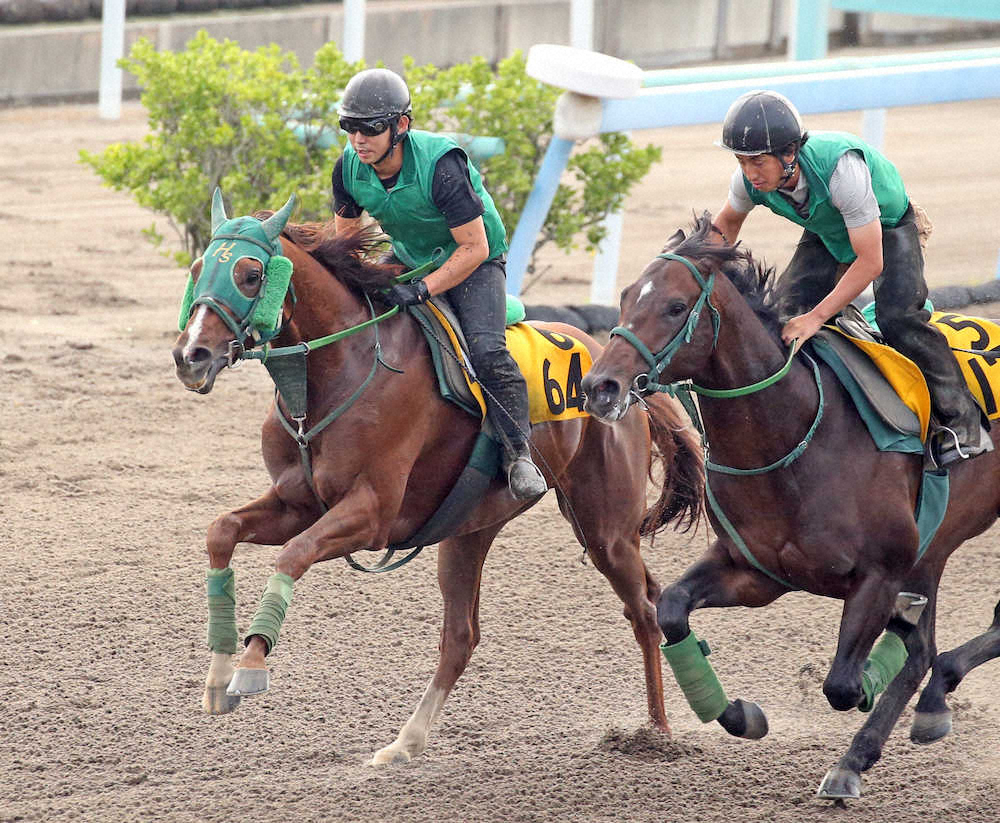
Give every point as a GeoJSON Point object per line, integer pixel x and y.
{"type": "Point", "coordinates": [111, 472]}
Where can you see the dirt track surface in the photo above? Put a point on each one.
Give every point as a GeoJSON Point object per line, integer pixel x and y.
{"type": "Point", "coordinates": [111, 473]}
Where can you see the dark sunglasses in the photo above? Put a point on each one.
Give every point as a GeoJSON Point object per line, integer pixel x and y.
{"type": "Point", "coordinates": [369, 128]}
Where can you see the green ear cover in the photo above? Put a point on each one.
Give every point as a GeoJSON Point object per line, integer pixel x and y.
{"type": "Point", "coordinates": [267, 314]}
{"type": "Point", "coordinates": [186, 302]}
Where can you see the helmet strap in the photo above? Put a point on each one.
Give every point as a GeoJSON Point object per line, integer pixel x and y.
{"type": "Point", "coordinates": [788, 168]}
{"type": "Point", "coordinates": [395, 138]}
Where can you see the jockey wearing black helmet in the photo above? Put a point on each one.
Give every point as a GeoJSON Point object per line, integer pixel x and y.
{"type": "Point", "coordinates": [429, 198]}
{"type": "Point", "coordinates": [764, 122]}
{"type": "Point", "coordinates": [860, 229]}
{"type": "Point", "coordinates": [374, 100]}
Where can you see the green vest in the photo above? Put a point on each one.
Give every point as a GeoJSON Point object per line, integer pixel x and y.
{"type": "Point", "coordinates": [817, 160]}
{"type": "Point", "coordinates": [407, 212]}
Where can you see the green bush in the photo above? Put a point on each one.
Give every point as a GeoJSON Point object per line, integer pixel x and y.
{"type": "Point", "coordinates": [222, 116]}
{"type": "Point", "coordinates": [260, 127]}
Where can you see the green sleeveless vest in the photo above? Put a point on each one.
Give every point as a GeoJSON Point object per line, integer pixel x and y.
{"type": "Point", "coordinates": [407, 212]}
{"type": "Point", "coordinates": [817, 160]}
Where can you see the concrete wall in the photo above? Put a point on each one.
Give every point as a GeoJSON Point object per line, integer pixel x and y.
{"type": "Point", "coordinates": [58, 62]}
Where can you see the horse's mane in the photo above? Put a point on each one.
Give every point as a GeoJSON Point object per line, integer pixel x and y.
{"type": "Point", "coordinates": [752, 278]}
{"type": "Point", "coordinates": [344, 255]}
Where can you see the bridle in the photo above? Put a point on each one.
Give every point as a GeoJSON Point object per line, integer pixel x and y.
{"type": "Point", "coordinates": [648, 383]}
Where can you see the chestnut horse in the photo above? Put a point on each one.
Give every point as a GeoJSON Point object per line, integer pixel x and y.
{"type": "Point", "coordinates": [800, 497]}
{"type": "Point", "coordinates": [382, 467]}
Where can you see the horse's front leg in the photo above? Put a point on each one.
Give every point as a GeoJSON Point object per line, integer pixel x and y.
{"type": "Point", "coordinates": [866, 613]}
{"type": "Point", "coordinates": [267, 520]}
{"type": "Point", "coordinates": [351, 525]}
{"type": "Point", "coordinates": [460, 566]}
{"type": "Point", "coordinates": [844, 780]}
{"type": "Point", "coordinates": [713, 581]}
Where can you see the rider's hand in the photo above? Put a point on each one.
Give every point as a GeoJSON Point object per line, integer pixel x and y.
{"type": "Point", "coordinates": [801, 328]}
{"type": "Point", "coordinates": [407, 294]}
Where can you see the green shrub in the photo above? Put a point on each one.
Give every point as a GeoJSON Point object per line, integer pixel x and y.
{"type": "Point", "coordinates": [260, 127]}
{"type": "Point", "coordinates": [222, 116]}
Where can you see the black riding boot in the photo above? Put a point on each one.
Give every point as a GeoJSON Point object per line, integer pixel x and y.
{"type": "Point", "coordinates": [900, 292]}
{"type": "Point", "coordinates": [507, 409]}
{"type": "Point", "coordinates": [480, 302]}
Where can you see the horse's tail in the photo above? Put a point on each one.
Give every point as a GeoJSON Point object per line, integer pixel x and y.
{"type": "Point", "coordinates": [677, 451]}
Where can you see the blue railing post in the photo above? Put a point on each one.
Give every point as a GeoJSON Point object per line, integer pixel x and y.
{"type": "Point", "coordinates": [807, 30]}
{"type": "Point", "coordinates": [535, 210]}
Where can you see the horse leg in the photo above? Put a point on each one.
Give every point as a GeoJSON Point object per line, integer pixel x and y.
{"type": "Point", "coordinates": [712, 581]}
{"type": "Point", "coordinates": [266, 520]}
{"type": "Point", "coordinates": [932, 720]}
{"type": "Point", "coordinates": [866, 612]}
{"type": "Point", "coordinates": [844, 780]}
{"type": "Point", "coordinates": [351, 524]}
{"type": "Point", "coordinates": [460, 567]}
{"type": "Point", "coordinates": [622, 564]}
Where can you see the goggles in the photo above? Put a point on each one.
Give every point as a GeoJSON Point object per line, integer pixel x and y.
{"type": "Point", "coordinates": [369, 128]}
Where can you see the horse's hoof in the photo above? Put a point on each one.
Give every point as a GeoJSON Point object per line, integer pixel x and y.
{"type": "Point", "coordinates": [929, 727]}
{"type": "Point", "coordinates": [840, 784]}
{"type": "Point", "coordinates": [744, 718]}
{"type": "Point", "coordinates": [389, 757]}
{"type": "Point", "coordinates": [755, 719]}
{"type": "Point", "coordinates": [248, 681]}
{"type": "Point", "coordinates": [218, 701]}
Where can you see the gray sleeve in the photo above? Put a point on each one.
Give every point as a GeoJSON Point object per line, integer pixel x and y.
{"type": "Point", "coordinates": [851, 191]}
{"type": "Point", "coordinates": [738, 197]}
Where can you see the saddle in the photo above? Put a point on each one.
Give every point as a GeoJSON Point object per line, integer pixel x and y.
{"type": "Point", "coordinates": [891, 381]}
{"type": "Point", "coordinates": [553, 364]}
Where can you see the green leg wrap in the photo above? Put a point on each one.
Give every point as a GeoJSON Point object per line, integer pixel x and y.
{"type": "Point", "coordinates": [883, 664]}
{"type": "Point", "coordinates": [221, 586]}
{"type": "Point", "coordinates": [696, 677]}
{"type": "Point", "coordinates": [271, 611]}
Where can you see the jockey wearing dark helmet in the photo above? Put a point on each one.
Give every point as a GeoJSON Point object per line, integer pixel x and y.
{"type": "Point", "coordinates": [764, 122]}
{"type": "Point", "coordinates": [429, 198]}
{"type": "Point", "coordinates": [859, 229]}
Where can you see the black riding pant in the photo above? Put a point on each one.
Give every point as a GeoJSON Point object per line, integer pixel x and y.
{"type": "Point", "coordinates": [480, 302]}
{"type": "Point", "coordinates": [900, 292]}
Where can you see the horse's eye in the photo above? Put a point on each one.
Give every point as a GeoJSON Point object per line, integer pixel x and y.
{"type": "Point", "coordinates": [252, 277]}
{"type": "Point", "coordinates": [676, 307]}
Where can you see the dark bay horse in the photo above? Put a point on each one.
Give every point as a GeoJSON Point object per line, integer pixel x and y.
{"type": "Point", "coordinates": [802, 497]}
{"type": "Point", "coordinates": [382, 467]}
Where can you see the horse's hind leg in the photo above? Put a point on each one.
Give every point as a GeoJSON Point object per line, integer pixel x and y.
{"type": "Point", "coordinates": [932, 720]}
{"type": "Point", "coordinates": [622, 564]}
{"type": "Point", "coordinates": [460, 568]}
{"type": "Point", "coordinates": [267, 520]}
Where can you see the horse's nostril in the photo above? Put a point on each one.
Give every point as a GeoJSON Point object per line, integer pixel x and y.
{"type": "Point", "coordinates": [194, 357]}
{"type": "Point", "coordinates": [608, 388]}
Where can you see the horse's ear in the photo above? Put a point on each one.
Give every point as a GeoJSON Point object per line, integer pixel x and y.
{"type": "Point", "coordinates": [218, 210]}
{"type": "Point", "coordinates": [276, 222]}
{"type": "Point", "coordinates": [675, 239]}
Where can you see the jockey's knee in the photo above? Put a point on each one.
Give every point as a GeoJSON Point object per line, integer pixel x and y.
{"type": "Point", "coordinates": [494, 364]}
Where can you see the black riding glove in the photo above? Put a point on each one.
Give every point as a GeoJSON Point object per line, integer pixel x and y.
{"type": "Point", "coordinates": [407, 294]}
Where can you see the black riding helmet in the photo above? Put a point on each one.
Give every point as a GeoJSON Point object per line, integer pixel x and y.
{"type": "Point", "coordinates": [763, 122]}
{"type": "Point", "coordinates": [378, 97]}
{"type": "Point", "coordinates": [375, 93]}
